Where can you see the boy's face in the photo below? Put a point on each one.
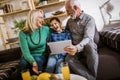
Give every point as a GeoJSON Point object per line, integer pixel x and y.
{"type": "Point", "coordinates": [55, 25]}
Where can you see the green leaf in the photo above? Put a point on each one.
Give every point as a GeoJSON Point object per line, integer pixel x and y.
{"type": "Point", "coordinates": [20, 24]}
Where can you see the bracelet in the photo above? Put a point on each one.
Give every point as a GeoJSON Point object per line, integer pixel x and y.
{"type": "Point", "coordinates": [34, 64]}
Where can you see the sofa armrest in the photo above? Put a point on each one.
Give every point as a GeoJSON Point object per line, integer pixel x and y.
{"type": "Point", "coordinates": [10, 54]}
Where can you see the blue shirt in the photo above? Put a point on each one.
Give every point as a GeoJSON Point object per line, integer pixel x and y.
{"type": "Point", "coordinates": [55, 36]}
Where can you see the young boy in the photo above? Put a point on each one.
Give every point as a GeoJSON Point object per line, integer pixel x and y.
{"type": "Point", "coordinates": [58, 34]}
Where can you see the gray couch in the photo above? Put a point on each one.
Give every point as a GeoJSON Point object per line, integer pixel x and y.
{"type": "Point", "coordinates": [109, 56]}
{"type": "Point", "coordinates": [109, 64]}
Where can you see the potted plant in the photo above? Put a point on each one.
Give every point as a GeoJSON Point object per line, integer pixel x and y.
{"type": "Point", "coordinates": [19, 25]}
{"type": "Point", "coordinates": [47, 22]}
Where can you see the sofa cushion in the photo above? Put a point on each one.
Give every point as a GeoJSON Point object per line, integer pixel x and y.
{"type": "Point", "coordinates": [96, 36]}
{"type": "Point", "coordinates": [111, 38]}
{"type": "Point", "coordinates": [5, 74]}
{"type": "Point", "coordinates": [109, 64]}
{"type": "Point", "coordinates": [6, 69]}
{"type": "Point", "coordinates": [10, 64]}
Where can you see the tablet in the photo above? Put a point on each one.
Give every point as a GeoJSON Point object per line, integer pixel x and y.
{"type": "Point", "coordinates": [58, 47]}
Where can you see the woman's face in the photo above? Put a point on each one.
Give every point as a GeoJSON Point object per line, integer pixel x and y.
{"type": "Point", "coordinates": [39, 20]}
{"type": "Point", "coordinates": [55, 25]}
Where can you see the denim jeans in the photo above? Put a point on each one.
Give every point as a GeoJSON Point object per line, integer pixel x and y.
{"type": "Point", "coordinates": [24, 65]}
{"type": "Point", "coordinates": [54, 61]}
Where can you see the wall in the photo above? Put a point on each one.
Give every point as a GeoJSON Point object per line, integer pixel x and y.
{"type": "Point", "coordinates": [109, 7]}
{"type": "Point", "coordinates": [91, 7]}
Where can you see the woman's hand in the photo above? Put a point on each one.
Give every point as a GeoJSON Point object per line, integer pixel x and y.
{"type": "Point", "coordinates": [35, 68]}
{"type": "Point", "coordinates": [70, 49]}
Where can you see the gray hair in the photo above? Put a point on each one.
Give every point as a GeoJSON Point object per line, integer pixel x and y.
{"type": "Point", "coordinates": [74, 2]}
{"type": "Point", "coordinates": [31, 20]}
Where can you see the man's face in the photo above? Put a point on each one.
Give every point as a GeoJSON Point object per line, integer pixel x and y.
{"type": "Point", "coordinates": [70, 11]}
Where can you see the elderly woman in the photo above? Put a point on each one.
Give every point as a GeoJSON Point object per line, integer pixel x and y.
{"type": "Point", "coordinates": [33, 42]}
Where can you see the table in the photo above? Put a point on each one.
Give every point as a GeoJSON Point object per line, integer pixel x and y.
{"type": "Point", "coordinates": [72, 77]}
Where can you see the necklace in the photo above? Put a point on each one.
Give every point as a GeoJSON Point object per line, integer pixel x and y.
{"type": "Point", "coordinates": [38, 41]}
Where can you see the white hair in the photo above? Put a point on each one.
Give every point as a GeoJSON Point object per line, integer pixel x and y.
{"type": "Point", "coordinates": [74, 2]}
{"type": "Point", "coordinates": [31, 20]}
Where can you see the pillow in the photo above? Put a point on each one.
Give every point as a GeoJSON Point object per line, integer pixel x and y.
{"type": "Point", "coordinates": [96, 36]}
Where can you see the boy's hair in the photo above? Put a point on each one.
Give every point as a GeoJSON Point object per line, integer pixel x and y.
{"type": "Point", "coordinates": [55, 18]}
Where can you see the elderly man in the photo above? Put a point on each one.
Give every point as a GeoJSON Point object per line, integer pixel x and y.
{"type": "Point", "coordinates": [82, 28]}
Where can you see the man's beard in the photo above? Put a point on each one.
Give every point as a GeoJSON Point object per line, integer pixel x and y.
{"type": "Point", "coordinates": [74, 15]}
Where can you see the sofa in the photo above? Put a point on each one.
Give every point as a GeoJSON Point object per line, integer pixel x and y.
{"type": "Point", "coordinates": [9, 60]}
{"type": "Point", "coordinates": [108, 68]}
{"type": "Point", "coordinates": [108, 42]}
{"type": "Point", "coordinates": [109, 64]}
{"type": "Point", "coordinates": [109, 54]}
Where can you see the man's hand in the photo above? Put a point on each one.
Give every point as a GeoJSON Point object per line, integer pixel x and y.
{"type": "Point", "coordinates": [70, 49]}
{"type": "Point", "coordinates": [35, 68]}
